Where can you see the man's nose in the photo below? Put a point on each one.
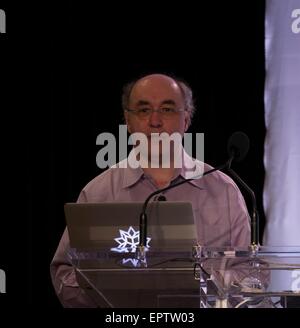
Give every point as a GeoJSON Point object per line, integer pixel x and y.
{"type": "Point", "coordinates": [155, 119]}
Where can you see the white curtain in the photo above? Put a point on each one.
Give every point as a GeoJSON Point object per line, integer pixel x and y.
{"type": "Point", "coordinates": [282, 117]}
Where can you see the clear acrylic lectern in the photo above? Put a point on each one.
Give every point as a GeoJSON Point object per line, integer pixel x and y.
{"type": "Point", "coordinates": [237, 277]}
{"type": "Point", "coordinates": [120, 280]}
{"type": "Point", "coordinates": [204, 277]}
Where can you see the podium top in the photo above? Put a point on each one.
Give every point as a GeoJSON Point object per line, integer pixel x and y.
{"type": "Point", "coordinates": [262, 251]}
{"type": "Point", "coordinates": [217, 257]}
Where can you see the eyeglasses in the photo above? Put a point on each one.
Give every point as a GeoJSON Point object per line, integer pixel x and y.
{"type": "Point", "coordinates": [165, 112]}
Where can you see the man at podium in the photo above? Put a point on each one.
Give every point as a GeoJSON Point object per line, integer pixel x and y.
{"type": "Point", "coordinates": [160, 104]}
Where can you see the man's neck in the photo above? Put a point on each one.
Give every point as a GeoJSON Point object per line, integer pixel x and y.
{"type": "Point", "coordinates": [161, 176]}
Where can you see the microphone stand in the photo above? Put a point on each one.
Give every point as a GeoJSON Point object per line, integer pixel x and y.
{"type": "Point", "coordinates": [141, 248]}
{"type": "Point", "coordinates": [254, 246]}
{"type": "Point", "coordinates": [254, 264]}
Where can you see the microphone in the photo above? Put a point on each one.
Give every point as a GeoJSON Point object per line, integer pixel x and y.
{"type": "Point", "coordinates": [141, 248]}
{"type": "Point", "coordinates": [237, 147]}
{"type": "Point", "coordinates": [143, 215]}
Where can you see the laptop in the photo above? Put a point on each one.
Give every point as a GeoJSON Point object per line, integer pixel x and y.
{"type": "Point", "coordinates": [114, 226]}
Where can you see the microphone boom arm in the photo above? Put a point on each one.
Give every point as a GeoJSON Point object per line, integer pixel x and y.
{"type": "Point", "coordinates": [143, 216]}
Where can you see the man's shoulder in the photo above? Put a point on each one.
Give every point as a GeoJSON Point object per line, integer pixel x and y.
{"type": "Point", "coordinates": [105, 180]}
{"type": "Point", "coordinates": [218, 175]}
{"type": "Point", "coordinates": [218, 178]}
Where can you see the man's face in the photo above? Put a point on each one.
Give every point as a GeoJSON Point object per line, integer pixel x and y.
{"type": "Point", "coordinates": [157, 92]}
{"type": "Point", "coordinates": [160, 97]}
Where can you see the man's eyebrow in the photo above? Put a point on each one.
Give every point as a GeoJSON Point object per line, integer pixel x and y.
{"type": "Point", "coordinates": [168, 102]}
{"type": "Point", "coordinates": [164, 102]}
{"type": "Point", "coordinates": [142, 102]}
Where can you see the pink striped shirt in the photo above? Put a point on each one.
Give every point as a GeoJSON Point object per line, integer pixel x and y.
{"type": "Point", "coordinates": [220, 214]}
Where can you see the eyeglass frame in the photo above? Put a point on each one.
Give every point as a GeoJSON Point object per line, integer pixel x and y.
{"type": "Point", "coordinates": [151, 111]}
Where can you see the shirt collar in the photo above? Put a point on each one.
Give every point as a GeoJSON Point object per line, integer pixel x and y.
{"type": "Point", "coordinates": [131, 176]}
{"type": "Point", "coordinates": [191, 168]}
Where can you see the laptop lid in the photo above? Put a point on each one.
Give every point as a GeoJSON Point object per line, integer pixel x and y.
{"type": "Point", "coordinates": [115, 225]}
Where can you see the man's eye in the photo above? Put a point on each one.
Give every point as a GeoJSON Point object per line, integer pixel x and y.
{"type": "Point", "coordinates": [144, 110]}
{"type": "Point", "coordinates": [168, 110]}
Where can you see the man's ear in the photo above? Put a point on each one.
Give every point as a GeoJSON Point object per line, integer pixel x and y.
{"type": "Point", "coordinates": [187, 120]}
{"type": "Point", "coordinates": [127, 122]}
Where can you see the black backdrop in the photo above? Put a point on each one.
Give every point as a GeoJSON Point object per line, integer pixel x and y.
{"type": "Point", "coordinates": [64, 82]}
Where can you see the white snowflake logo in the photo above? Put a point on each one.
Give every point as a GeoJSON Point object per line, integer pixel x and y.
{"type": "Point", "coordinates": [129, 240]}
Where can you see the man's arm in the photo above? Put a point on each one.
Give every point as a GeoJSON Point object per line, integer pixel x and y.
{"type": "Point", "coordinates": [239, 217]}
{"type": "Point", "coordinates": [64, 278]}
{"type": "Point", "coordinates": [62, 272]}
